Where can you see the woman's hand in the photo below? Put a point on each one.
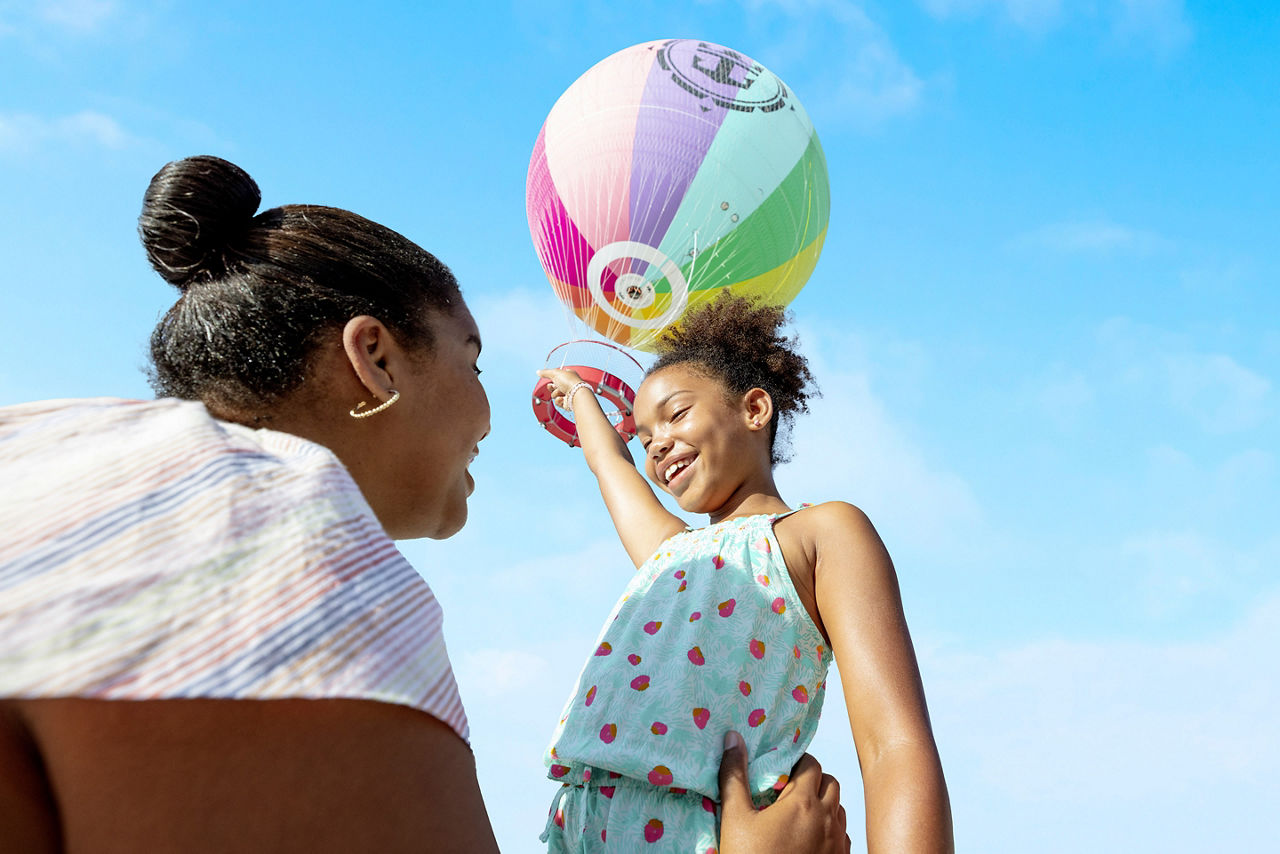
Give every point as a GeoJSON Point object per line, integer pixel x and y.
{"type": "Point", "coordinates": [807, 817]}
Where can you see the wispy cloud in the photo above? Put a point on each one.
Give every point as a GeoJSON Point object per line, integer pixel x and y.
{"type": "Point", "coordinates": [852, 447]}
{"type": "Point", "coordinates": [1213, 389]}
{"type": "Point", "coordinates": [69, 17]}
{"type": "Point", "coordinates": [1159, 24]}
{"type": "Point", "coordinates": [1033, 15]}
{"type": "Point", "coordinates": [1097, 236]}
{"type": "Point", "coordinates": [76, 15]}
{"type": "Point", "coordinates": [864, 79]}
{"type": "Point", "coordinates": [22, 133]}
{"type": "Point", "coordinates": [1085, 725]}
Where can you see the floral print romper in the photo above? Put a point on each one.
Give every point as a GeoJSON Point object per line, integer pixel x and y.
{"type": "Point", "coordinates": [708, 636]}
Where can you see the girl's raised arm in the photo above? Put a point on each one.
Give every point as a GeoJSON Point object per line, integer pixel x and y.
{"type": "Point", "coordinates": [857, 595]}
{"type": "Point", "coordinates": [639, 517]}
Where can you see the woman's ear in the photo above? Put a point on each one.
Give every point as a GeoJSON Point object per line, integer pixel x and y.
{"type": "Point", "coordinates": [368, 344]}
{"type": "Point", "coordinates": [758, 408]}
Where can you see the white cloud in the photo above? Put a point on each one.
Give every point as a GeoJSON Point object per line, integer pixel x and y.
{"type": "Point", "coordinates": [1093, 237]}
{"type": "Point", "coordinates": [24, 133]}
{"type": "Point", "coordinates": [850, 447]}
{"type": "Point", "coordinates": [864, 81]}
{"type": "Point", "coordinates": [76, 15]}
{"type": "Point", "coordinates": [501, 672]}
{"type": "Point", "coordinates": [1181, 731]}
{"type": "Point", "coordinates": [1212, 389]}
{"type": "Point", "coordinates": [1161, 24]}
{"type": "Point", "coordinates": [1033, 15]}
{"type": "Point", "coordinates": [1222, 395]}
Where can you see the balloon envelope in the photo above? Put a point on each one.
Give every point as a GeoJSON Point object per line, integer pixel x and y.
{"type": "Point", "coordinates": [667, 172]}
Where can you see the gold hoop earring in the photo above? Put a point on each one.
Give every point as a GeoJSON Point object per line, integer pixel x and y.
{"type": "Point", "coordinates": [356, 413]}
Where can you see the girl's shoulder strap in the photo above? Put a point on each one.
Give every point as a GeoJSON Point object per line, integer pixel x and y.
{"type": "Point", "coordinates": [776, 516]}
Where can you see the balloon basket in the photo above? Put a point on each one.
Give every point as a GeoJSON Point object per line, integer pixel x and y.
{"type": "Point", "coordinates": [614, 375]}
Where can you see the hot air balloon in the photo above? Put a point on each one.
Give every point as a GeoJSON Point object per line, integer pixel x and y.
{"type": "Point", "coordinates": [667, 172]}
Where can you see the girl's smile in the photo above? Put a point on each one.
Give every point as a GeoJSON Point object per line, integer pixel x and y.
{"type": "Point", "coordinates": [699, 442]}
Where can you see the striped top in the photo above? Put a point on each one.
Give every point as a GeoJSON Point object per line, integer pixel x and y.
{"type": "Point", "coordinates": [149, 550]}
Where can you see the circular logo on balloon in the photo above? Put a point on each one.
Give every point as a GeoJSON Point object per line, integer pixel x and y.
{"type": "Point", "coordinates": [633, 290]}
{"type": "Point", "coordinates": [731, 80]}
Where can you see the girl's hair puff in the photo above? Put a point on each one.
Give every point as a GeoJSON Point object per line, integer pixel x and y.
{"type": "Point", "coordinates": [737, 341]}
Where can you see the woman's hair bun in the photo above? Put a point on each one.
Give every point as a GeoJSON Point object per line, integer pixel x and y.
{"type": "Point", "coordinates": [194, 211]}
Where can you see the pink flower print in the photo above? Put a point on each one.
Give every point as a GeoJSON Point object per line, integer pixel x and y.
{"type": "Point", "coordinates": [559, 819]}
{"type": "Point", "coordinates": [763, 579]}
{"type": "Point", "coordinates": [708, 804]}
{"type": "Point", "coordinates": [782, 783]}
{"type": "Point", "coordinates": [652, 627]}
{"type": "Point", "coordinates": [796, 740]}
{"type": "Point", "coordinates": [660, 775]}
{"type": "Point", "coordinates": [762, 545]}
{"type": "Point", "coordinates": [679, 573]}
{"type": "Point", "coordinates": [822, 650]}
{"type": "Point", "coordinates": [695, 655]}
{"type": "Point", "coordinates": [796, 651]}
{"type": "Point", "coordinates": [717, 562]}
{"type": "Point", "coordinates": [726, 607]}
{"type": "Point", "coordinates": [696, 615]}
{"type": "Point", "coordinates": [700, 717]}
{"type": "Point", "coordinates": [634, 659]}
{"type": "Point", "coordinates": [559, 771]}
{"type": "Point", "coordinates": [603, 834]}
{"type": "Point", "coordinates": [591, 695]}
{"type": "Point", "coordinates": [586, 775]}
{"type": "Point", "coordinates": [684, 585]}
{"type": "Point", "coordinates": [653, 830]}
{"type": "Point", "coordinates": [779, 605]}
{"type": "Point", "coordinates": [607, 791]}
{"type": "Point", "coordinates": [756, 647]}
{"type": "Point", "coordinates": [608, 733]}
{"type": "Point", "coordinates": [658, 728]}
{"type": "Point", "coordinates": [639, 683]}
{"type": "Point", "coordinates": [676, 790]}
{"type": "Point", "coordinates": [800, 693]}
{"type": "Point", "coordinates": [604, 649]}
{"type": "Point", "coordinates": [745, 688]}
{"type": "Point", "coordinates": [756, 718]}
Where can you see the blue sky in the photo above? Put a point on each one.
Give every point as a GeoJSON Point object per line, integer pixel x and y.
{"type": "Point", "coordinates": [1046, 324]}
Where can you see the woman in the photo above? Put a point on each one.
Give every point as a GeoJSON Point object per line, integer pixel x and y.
{"type": "Point", "coordinates": [208, 641]}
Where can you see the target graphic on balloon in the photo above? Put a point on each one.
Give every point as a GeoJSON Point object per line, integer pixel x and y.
{"type": "Point", "coordinates": [666, 173]}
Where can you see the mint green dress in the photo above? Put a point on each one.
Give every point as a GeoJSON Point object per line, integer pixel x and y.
{"type": "Point", "coordinates": [708, 636]}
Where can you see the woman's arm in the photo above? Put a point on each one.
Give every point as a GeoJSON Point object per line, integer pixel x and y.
{"type": "Point", "coordinates": [256, 775]}
{"type": "Point", "coordinates": [857, 593]}
{"type": "Point", "coordinates": [639, 517]}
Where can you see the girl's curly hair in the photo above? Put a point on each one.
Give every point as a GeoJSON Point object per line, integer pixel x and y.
{"type": "Point", "coordinates": [736, 340]}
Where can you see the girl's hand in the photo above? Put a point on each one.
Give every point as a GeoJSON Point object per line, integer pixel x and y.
{"type": "Point", "coordinates": [807, 817]}
{"type": "Point", "coordinates": [562, 383]}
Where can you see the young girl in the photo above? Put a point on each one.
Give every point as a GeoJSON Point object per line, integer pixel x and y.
{"type": "Point", "coordinates": [732, 626]}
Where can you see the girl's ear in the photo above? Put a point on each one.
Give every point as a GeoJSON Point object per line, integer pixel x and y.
{"type": "Point", "coordinates": [758, 408]}
{"type": "Point", "coordinates": [368, 345]}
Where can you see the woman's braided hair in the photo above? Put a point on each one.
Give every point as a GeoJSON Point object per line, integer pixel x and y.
{"type": "Point", "coordinates": [737, 341]}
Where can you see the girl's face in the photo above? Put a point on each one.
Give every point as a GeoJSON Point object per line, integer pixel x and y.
{"type": "Point", "coordinates": [700, 445]}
